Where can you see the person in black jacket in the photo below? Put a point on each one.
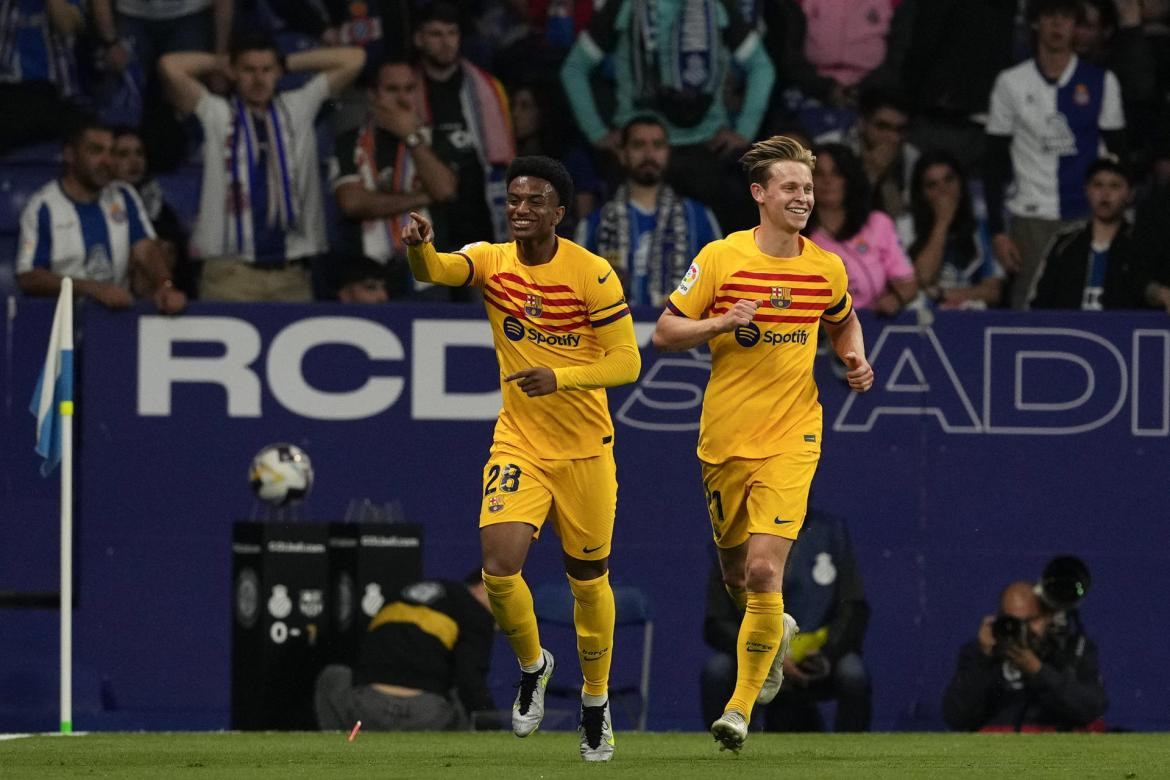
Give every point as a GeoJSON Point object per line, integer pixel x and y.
{"type": "Point", "coordinates": [1097, 266]}
{"type": "Point", "coordinates": [436, 637]}
{"type": "Point", "coordinates": [823, 592]}
{"type": "Point", "coordinates": [1023, 674]}
{"type": "Point", "coordinates": [1152, 235]}
{"type": "Point", "coordinates": [945, 55]}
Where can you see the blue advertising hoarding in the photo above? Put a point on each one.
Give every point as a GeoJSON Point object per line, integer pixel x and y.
{"type": "Point", "coordinates": [991, 442]}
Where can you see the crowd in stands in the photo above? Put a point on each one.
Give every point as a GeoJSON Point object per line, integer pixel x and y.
{"type": "Point", "coordinates": [970, 153]}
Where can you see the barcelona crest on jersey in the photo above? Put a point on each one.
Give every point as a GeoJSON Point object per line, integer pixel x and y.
{"type": "Point", "coordinates": [533, 305]}
{"type": "Point", "coordinates": [781, 297]}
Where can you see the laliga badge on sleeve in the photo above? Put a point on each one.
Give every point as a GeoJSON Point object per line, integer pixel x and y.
{"type": "Point", "coordinates": [692, 274]}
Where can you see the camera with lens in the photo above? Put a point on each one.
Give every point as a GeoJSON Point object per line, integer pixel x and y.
{"type": "Point", "coordinates": [1062, 587]}
{"type": "Point", "coordinates": [1064, 583]}
{"type": "Point", "coordinates": [1007, 628]}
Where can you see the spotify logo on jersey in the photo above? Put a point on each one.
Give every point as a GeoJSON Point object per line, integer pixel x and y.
{"type": "Point", "coordinates": [747, 335]}
{"type": "Point", "coordinates": [513, 329]}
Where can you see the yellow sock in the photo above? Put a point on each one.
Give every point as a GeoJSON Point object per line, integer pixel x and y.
{"type": "Point", "coordinates": [759, 640]}
{"type": "Point", "coordinates": [738, 595]}
{"type": "Point", "coordinates": [593, 614]}
{"type": "Point", "coordinates": [511, 603]}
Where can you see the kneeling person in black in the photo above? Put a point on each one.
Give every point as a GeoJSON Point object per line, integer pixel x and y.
{"type": "Point", "coordinates": [436, 637]}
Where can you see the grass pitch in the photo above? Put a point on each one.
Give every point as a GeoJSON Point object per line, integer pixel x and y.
{"type": "Point", "coordinates": [554, 755]}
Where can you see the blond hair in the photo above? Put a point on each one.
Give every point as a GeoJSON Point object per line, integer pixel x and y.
{"type": "Point", "coordinates": [757, 160]}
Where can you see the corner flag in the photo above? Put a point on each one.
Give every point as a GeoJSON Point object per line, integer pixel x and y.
{"type": "Point", "coordinates": [53, 397]}
{"type": "Point", "coordinates": [52, 405]}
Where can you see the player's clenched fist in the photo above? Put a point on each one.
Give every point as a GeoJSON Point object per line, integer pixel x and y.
{"type": "Point", "coordinates": [740, 314]}
{"type": "Point", "coordinates": [538, 380]}
{"type": "Point", "coordinates": [417, 230]}
{"type": "Point", "coordinates": [860, 374]}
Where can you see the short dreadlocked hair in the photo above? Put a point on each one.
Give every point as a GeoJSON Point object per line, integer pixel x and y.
{"type": "Point", "coordinates": [545, 168]}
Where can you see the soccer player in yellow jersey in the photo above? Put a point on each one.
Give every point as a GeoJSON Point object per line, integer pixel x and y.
{"type": "Point", "coordinates": [563, 333]}
{"type": "Point", "coordinates": [758, 296]}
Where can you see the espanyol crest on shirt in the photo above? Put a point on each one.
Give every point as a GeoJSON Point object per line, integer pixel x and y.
{"type": "Point", "coordinates": [781, 297]}
{"type": "Point", "coordinates": [533, 305]}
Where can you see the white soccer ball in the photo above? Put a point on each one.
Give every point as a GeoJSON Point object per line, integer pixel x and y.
{"type": "Point", "coordinates": [281, 474]}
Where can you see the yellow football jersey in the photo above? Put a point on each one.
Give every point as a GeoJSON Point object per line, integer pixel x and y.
{"type": "Point", "coordinates": [761, 399]}
{"type": "Point", "coordinates": [549, 315]}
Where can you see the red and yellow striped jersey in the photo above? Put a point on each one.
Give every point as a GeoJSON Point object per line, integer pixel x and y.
{"type": "Point", "coordinates": [550, 315]}
{"type": "Point", "coordinates": [761, 399]}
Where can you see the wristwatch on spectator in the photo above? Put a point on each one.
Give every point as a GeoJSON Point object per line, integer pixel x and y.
{"type": "Point", "coordinates": [413, 140]}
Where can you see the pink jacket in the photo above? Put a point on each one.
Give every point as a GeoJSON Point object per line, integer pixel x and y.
{"type": "Point", "coordinates": [846, 38]}
{"type": "Point", "coordinates": [873, 258]}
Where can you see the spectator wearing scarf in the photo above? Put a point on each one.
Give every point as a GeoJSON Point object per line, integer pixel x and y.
{"type": "Point", "coordinates": [38, 70]}
{"type": "Point", "coordinates": [672, 58]}
{"type": "Point", "coordinates": [385, 169]}
{"type": "Point", "coordinates": [471, 126]}
{"type": "Point", "coordinates": [261, 218]}
{"type": "Point", "coordinates": [647, 231]}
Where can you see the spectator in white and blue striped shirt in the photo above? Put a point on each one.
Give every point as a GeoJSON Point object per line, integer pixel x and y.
{"type": "Point", "coordinates": [95, 231]}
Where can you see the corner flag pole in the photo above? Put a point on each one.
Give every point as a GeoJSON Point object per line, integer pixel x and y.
{"type": "Point", "coordinates": [65, 307]}
{"type": "Point", "coordinates": [52, 405]}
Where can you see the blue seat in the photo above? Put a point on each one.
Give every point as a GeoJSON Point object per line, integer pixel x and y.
{"type": "Point", "coordinates": [17, 184]}
{"type": "Point", "coordinates": [554, 607]}
{"type": "Point", "coordinates": [818, 119]}
{"type": "Point", "coordinates": [181, 190]}
{"type": "Point", "coordinates": [7, 265]}
{"type": "Point", "coordinates": [35, 154]}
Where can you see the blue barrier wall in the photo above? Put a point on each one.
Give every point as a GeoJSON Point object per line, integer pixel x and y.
{"type": "Point", "coordinates": [990, 443]}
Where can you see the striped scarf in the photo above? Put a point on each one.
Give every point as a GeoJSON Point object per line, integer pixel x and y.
{"type": "Point", "coordinates": [485, 108]}
{"type": "Point", "coordinates": [283, 185]}
{"type": "Point", "coordinates": [668, 257]}
{"type": "Point", "coordinates": [382, 238]}
{"type": "Point", "coordinates": [9, 25]}
{"type": "Point", "coordinates": [58, 51]}
{"type": "Point", "coordinates": [686, 60]}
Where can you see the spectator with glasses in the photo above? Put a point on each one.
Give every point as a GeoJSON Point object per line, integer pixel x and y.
{"type": "Point", "coordinates": [878, 138]}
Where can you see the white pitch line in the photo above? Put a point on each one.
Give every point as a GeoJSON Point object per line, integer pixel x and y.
{"type": "Point", "coordinates": [4, 737]}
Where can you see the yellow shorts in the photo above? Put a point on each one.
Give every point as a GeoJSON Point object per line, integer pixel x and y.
{"type": "Point", "coordinates": [765, 496]}
{"type": "Point", "coordinates": [578, 496]}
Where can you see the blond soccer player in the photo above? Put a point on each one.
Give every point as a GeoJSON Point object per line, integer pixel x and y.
{"type": "Point", "coordinates": [562, 333]}
{"type": "Point", "coordinates": [758, 297]}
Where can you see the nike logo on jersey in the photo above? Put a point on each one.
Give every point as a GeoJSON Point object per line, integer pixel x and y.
{"type": "Point", "coordinates": [592, 549]}
{"type": "Point", "coordinates": [601, 279]}
{"type": "Point", "coordinates": [778, 521]}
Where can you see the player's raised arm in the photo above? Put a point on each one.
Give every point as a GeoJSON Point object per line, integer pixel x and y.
{"type": "Point", "coordinates": [182, 73]}
{"type": "Point", "coordinates": [427, 265]}
{"type": "Point", "coordinates": [850, 347]}
{"type": "Point", "coordinates": [677, 332]}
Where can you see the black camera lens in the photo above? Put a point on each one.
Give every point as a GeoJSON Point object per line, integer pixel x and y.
{"type": "Point", "coordinates": [1008, 628]}
{"type": "Point", "coordinates": [1065, 582]}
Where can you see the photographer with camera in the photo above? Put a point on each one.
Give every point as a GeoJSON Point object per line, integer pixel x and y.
{"type": "Point", "coordinates": [1031, 668]}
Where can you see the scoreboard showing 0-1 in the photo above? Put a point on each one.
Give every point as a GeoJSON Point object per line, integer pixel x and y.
{"type": "Point", "coordinates": [280, 619]}
{"type": "Point", "coordinates": [369, 565]}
